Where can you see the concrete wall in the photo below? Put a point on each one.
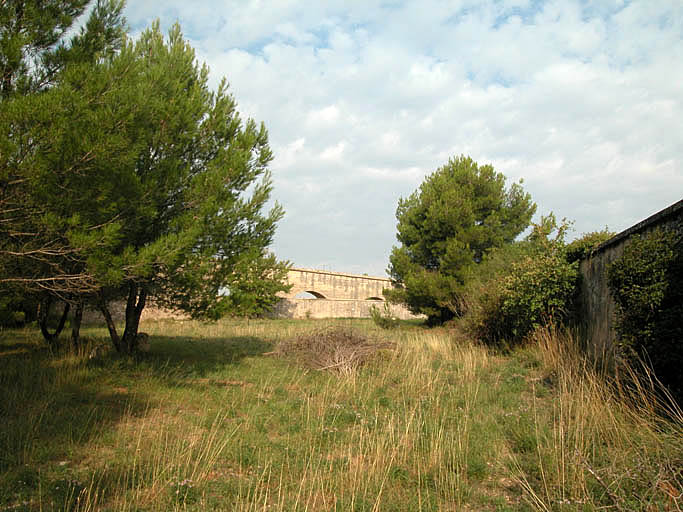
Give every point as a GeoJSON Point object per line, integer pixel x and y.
{"type": "Point", "coordinates": [345, 296]}
{"type": "Point", "coordinates": [335, 285]}
{"type": "Point", "coordinates": [118, 313]}
{"type": "Point", "coordinates": [339, 295]}
{"type": "Point", "coordinates": [334, 308]}
{"type": "Point", "coordinates": [597, 307]}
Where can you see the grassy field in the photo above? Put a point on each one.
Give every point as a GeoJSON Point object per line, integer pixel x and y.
{"type": "Point", "coordinates": [215, 418]}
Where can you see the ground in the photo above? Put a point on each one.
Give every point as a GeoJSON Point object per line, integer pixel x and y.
{"type": "Point", "coordinates": [218, 417]}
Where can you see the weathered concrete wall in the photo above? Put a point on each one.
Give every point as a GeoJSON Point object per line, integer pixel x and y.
{"type": "Point", "coordinates": [596, 303]}
{"type": "Point", "coordinates": [335, 285]}
{"type": "Point", "coordinates": [334, 308]}
{"type": "Point", "coordinates": [341, 296]}
{"type": "Point", "coordinates": [118, 313]}
{"type": "Point", "coordinates": [286, 308]}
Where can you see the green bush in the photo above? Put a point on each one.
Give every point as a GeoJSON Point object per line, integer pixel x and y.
{"type": "Point", "coordinates": [16, 309]}
{"type": "Point", "coordinates": [483, 294]}
{"type": "Point", "coordinates": [528, 284]}
{"type": "Point", "coordinates": [539, 290]}
{"type": "Point", "coordinates": [645, 283]}
{"type": "Point", "coordinates": [385, 319]}
{"type": "Point", "coordinates": [586, 244]}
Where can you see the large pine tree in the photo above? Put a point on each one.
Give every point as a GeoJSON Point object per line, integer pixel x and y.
{"type": "Point", "coordinates": [34, 264]}
{"type": "Point", "coordinates": [130, 178]}
{"type": "Point", "coordinates": [459, 213]}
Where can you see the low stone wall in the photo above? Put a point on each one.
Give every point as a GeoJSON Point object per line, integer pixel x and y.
{"type": "Point", "coordinates": [597, 307]}
{"type": "Point", "coordinates": [118, 314]}
{"type": "Point", "coordinates": [335, 308]}
{"type": "Point", "coordinates": [286, 308]}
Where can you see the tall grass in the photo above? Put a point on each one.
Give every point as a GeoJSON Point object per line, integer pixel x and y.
{"type": "Point", "coordinates": [602, 441]}
{"type": "Point", "coordinates": [213, 419]}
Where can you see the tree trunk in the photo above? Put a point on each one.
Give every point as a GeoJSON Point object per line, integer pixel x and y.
{"type": "Point", "coordinates": [104, 308]}
{"type": "Point", "coordinates": [76, 324]}
{"type": "Point", "coordinates": [52, 339]}
{"type": "Point", "coordinates": [137, 296]}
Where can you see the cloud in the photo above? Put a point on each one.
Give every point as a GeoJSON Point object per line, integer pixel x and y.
{"type": "Point", "coordinates": [362, 100]}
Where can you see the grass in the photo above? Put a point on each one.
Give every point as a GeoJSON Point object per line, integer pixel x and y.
{"type": "Point", "coordinates": [213, 419]}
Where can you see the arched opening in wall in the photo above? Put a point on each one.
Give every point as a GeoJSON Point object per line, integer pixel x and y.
{"type": "Point", "coordinates": [375, 298]}
{"type": "Point", "coordinates": [309, 294]}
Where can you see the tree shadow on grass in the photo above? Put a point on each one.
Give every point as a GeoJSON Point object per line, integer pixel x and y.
{"type": "Point", "coordinates": [51, 406]}
{"type": "Point", "coordinates": [199, 357]}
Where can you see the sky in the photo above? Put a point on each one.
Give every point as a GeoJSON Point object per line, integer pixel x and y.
{"type": "Point", "coordinates": [583, 100]}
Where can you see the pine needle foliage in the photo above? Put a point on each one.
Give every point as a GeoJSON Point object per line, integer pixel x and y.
{"type": "Point", "coordinates": [130, 178]}
{"type": "Point", "coordinates": [458, 215]}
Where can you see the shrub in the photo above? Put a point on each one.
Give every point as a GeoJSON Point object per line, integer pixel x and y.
{"type": "Point", "coordinates": [529, 284]}
{"type": "Point", "coordinates": [483, 294]}
{"type": "Point", "coordinates": [15, 308]}
{"type": "Point", "coordinates": [539, 290]}
{"type": "Point", "coordinates": [586, 244]}
{"type": "Point", "coordinates": [645, 283]}
{"type": "Point", "coordinates": [384, 320]}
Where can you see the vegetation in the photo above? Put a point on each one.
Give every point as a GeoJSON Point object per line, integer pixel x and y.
{"type": "Point", "coordinates": [460, 213]}
{"type": "Point", "coordinates": [32, 46]}
{"type": "Point", "coordinates": [35, 264]}
{"type": "Point", "coordinates": [124, 177]}
{"type": "Point", "coordinates": [384, 319]}
{"type": "Point", "coordinates": [646, 285]}
{"type": "Point", "coordinates": [16, 309]}
{"type": "Point", "coordinates": [211, 419]}
{"type": "Point", "coordinates": [338, 349]}
{"type": "Point", "coordinates": [584, 246]}
{"type": "Point", "coordinates": [523, 286]}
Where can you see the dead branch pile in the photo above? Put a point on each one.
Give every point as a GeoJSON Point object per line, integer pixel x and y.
{"type": "Point", "coordinates": [336, 349]}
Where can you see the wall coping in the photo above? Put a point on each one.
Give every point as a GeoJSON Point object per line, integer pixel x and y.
{"type": "Point", "coordinates": [341, 274]}
{"type": "Point", "coordinates": [321, 299]}
{"type": "Point", "coordinates": [637, 228]}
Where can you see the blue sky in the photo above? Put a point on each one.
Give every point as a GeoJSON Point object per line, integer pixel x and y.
{"type": "Point", "coordinates": [583, 100]}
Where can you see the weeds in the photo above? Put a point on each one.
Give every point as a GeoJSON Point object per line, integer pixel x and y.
{"type": "Point", "coordinates": [205, 422]}
{"type": "Point", "coordinates": [600, 444]}
{"type": "Point", "coordinates": [384, 319]}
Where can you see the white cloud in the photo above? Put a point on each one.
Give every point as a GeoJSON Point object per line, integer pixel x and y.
{"type": "Point", "coordinates": [361, 100]}
{"type": "Point", "coordinates": [333, 153]}
{"type": "Point", "coordinates": [326, 115]}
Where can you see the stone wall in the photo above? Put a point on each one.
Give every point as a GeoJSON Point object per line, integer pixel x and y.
{"type": "Point", "coordinates": [335, 285]}
{"type": "Point", "coordinates": [596, 305]}
{"type": "Point", "coordinates": [340, 295]}
{"type": "Point", "coordinates": [339, 308]}
{"type": "Point", "coordinates": [286, 308]}
{"type": "Point", "coordinates": [118, 313]}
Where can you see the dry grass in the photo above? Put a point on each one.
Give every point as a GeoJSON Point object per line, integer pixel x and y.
{"type": "Point", "coordinates": [601, 444]}
{"type": "Point", "coordinates": [206, 422]}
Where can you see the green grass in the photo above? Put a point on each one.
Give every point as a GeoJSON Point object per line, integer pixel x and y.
{"type": "Point", "coordinates": [212, 419]}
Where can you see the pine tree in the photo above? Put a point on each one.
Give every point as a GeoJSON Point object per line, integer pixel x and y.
{"type": "Point", "coordinates": [459, 214]}
{"type": "Point", "coordinates": [34, 264]}
{"type": "Point", "coordinates": [141, 182]}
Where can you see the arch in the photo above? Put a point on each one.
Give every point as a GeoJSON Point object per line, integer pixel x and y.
{"type": "Point", "coordinates": [304, 294]}
{"type": "Point", "coordinates": [375, 298]}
